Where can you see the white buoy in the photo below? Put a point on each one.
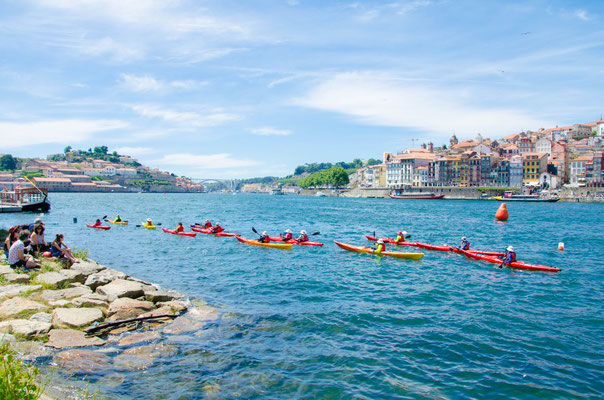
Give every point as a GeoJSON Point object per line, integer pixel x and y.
{"type": "Point", "coordinates": [561, 246]}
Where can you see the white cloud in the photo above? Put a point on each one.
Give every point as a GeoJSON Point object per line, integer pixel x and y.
{"type": "Point", "coordinates": [185, 118]}
{"type": "Point", "coordinates": [207, 161]}
{"type": "Point", "coordinates": [408, 7]}
{"type": "Point", "coordinates": [268, 131]}
{"type": "Point", "coordinates": [20, 134]}
{"type": "Point", "coordinates": [143, 83]}
{"type": "Point", "coordinates": [385, 100]}
{"type": "Point", "coordinates": [581, 14]}
{"type": "Point", "coordinates": [110, 48]}
{"type": "Point", "coordinates": [134, 151]}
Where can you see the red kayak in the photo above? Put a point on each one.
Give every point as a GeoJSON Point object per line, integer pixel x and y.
{"type": "Point", "coordinates": [436, 248]}
{"type": "Point", "coordinates": [106, 228]}
{"type": "Point", "coordinates": [190, 234]}
{"type": "Point", "coordinates": [293, 241]}
{"type": "Point", "coordinates": [515, 264]}
{"type": "Point", "coordinates": [209, 232]}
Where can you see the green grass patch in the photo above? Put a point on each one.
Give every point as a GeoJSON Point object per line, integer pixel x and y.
{"type": "Point", "coordinates": [82, 254]}
{"type": "Point", "coordinates": [17, 379]}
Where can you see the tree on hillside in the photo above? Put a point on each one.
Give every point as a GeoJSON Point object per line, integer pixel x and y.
{"type": "Point", "coordinates": [7, 163]}
{"type": "Point", "coordinates": [337, 176]}
{"type": "Point", "coordinates": [67, 149]}
{"type": "Point", "coordinates": [373, 161]}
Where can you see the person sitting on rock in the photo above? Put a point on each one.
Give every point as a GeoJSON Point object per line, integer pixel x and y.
{"type": "Point", "coordinates": [38, 244]}
{"type": "Point", "coordinates": [17, 257]}
{"type": "Point", "coordinates": [59, 249]}
{"type": "Point", "coordinates": [13, 236]}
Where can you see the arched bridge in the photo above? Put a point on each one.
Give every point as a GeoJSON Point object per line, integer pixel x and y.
{"type": "Point", "coordinates": [228, 184]}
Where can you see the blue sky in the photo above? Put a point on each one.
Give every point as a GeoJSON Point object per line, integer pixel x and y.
{"type": "Point", "coordinates": [221, 89]}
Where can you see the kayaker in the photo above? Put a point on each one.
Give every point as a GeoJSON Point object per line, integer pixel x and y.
{"type": "Point", "coordinates": [207, 224]}
{"type": "Point", "coordinates": [287, 235]}
{"type": "Point", "coordinates": [98, 222]}
{"type": "Point", "coordinates": [264, 238]}
{"type": "Point", "coordinates": [179, 227]}
{"type": "Point", "coordinates": [465, 245]}
{"type": "Point", "coordinates": [380, 247]}
{"type": "Point", "coordinates": [400, 237]}
{"type": "Point", "coordinates": [303, 236]}
{"type": "Point", "coordinates": [217, 228]}
{"type": "Point", "coordinates": [509, 256]}
{"type": "Point", "coordinates": [149, 223]}
{"type": "Point", "coordinates": [118, 219]}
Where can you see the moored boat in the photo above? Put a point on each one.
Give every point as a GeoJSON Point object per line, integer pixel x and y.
{"type": "Point", "coordinates": [511, 196]}
{"type": "Point", "coordinates": [24, 199]}
{"type": "Point", "coordinates": [416, 196]}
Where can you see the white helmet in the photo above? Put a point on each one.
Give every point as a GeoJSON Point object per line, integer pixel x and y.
{"type": "Point", "coordinates": [380, 241]}
{"type": "Point", "coordinates": [264, 233]}
{"type": "Point", "coordinates": [207, 220]}
{"type": "Point", "coordinates": [148, 219]}
{"type": "Point", "coordinates": [303, 232]}
{"type": "Point", "coordinates": [463, 238]}
{"type": "Point", "coordinates": [404, 233]}
{"type": "Point", "coordinates": [510, 248]}
{"type": "Point", "coordinates": [288, 231]}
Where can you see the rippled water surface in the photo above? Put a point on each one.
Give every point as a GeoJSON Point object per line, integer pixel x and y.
{"type": "Point", "coordinates": [324, 323]}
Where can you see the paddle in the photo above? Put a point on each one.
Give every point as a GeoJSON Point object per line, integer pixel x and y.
{"type": "Point", "coordinates": [256, 232]}
{"type": "Point", "coordinates": [316, 233]}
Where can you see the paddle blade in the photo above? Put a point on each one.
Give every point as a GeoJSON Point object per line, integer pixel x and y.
{"type": "Point", "coordinates": [104, 217]}
{"type": "Point", "coordinates": [316, 233]}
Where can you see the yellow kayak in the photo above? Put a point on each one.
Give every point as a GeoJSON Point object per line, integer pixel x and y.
{"type": "Point", "coordinates": [148, 226]}
{"type": "Point", "coordinates": [117, 222]}
{"type": "Point", "coordinates": [257, 243]}
{"type": "Point", "coordinates": [369, 250]}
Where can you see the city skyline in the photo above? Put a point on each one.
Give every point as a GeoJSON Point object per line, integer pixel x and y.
{"type": "Point", "coordinates": [240, 90]}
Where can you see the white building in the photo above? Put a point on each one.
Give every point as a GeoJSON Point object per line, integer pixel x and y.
{"type": "Point", "coordinates": [516, 171]}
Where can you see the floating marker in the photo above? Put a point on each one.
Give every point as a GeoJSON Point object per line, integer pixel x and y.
{"type": "Point", "coordinates": [75, 220]}
{"type": "Point", "coordinates": [561, 246]}
{"type": "Point", "coordinates": [502, 213]}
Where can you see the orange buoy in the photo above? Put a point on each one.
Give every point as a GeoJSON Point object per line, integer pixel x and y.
{"type": "Point", "coordinates": [502, 213]}
{"type": "Point", "coordinates": [561, 246]}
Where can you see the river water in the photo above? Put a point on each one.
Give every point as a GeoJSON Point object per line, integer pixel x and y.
{"type": "Point", "coordinates": [319, 322]}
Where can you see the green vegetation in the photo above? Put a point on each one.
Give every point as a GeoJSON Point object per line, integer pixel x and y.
{"type": "Point", "coordinates": [8, 163]}
{"type": "Point", "coordinates": [34, 173]}
{"type": "Point", "coordinates": [17, 379]}
{"type": "Point", "coordinates": [316, 167]}
{"type": "Point", "coordinates": [335, 176]}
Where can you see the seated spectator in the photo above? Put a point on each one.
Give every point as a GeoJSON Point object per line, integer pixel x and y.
{"type": "Point", "coordinates": [17, 257]}
{"type": "Point", "coordinates": [60, 250]}
{"type": "Point", "coordinates": [36, 222]}
{"type": "Point", "coordinates": [38, 243]}
{"type": "Point", "coordinates": [13, 236]}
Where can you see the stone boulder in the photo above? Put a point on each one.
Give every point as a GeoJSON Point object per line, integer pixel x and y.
{"type": "Point", "coordinates": [140, 358]}
{"type": "Point", "coordinates": [63, 338]}
{"type": "Point", "coordinates": [23, 327]}
{"type": "Point", "coordinates": [16, 278]}
{"type": "Point", "coordinates": [82, 361]}
{"type": "Point", "coordinates": [14, 290]}
{"type": "Point", "coordinates": [158, 296]}
{"type": "Point", "coordinates": [31, 351]}
{"type": "Point", "coordinates": [177, 306]}
{"type": "Point", "coordinates": [121, 288]}
{"type": "Point", "coordinates": [75, 317]}
{"type": "Point", "coordinates": [124, 308]}
{"type": "Point", "coordinates": [18, 305]}
{"type": "Point", "coordinates": [139, 338]}
{"type": "Point", "coordinates": [52, 278]}
{"type": "Point", "coordinates": [73, 275]}
{"type": "Point", "coordinates": [6, 269]}
{"type": "Point", "coordinates": [91, 300]}
{"type": "Point", "coordinates": [69, 293]}
{"type": "Point", "coordinates": [103, 277]}
{"type": "Point", "coordinates": [87, 267]}
{"type": "Point", "coordinates": [41, 317]}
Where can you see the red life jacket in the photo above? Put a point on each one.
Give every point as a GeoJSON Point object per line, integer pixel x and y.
{"type": "Point", "coordinates": [217, 229]}
{"type": "Point", "coordinates": [179, 228]}
{"type": "Point", "coordinates": [287, 236]}
{"type": "Point", "coordinates": [513, 254]}
{"type": "Point", "coordinates": [208, 225]}
{"type": "Point", "coordinates": [303, 238]}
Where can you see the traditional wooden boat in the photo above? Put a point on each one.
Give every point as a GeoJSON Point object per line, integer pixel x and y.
{"type": "Point", "coordinates": [24, 199]}
{"type": "Point", "coordinates": [416, 196]}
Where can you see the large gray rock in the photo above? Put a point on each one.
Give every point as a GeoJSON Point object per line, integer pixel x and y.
{"type": "Point", "coordinates": [41, 317]}
{"type": "Point", "coordinates": [73, 275]}
{"type": "Point", "coordinates": [91, 300]}
{"type": "Point", "coordinates": [23, 327]}
{"type": "Point", "coordinates": [14, 290]}
{"type": "Point", "coordinates": [18, 305]}
{"type": "Point", "coordinates": [87, 267]}
{"type": "Point", "coordinates": [124, 308]}
{"type": "Point", "coordinates": [69, 293]}
{"type": "Point", "coordinates": [52, 278]}
{"type": "Point", "coordinates": [139, 338]}
{"type": "Point", "coordinates": [121, 288]}
{"type": "Point", "coordinates": [139, 358]}
{"type": "Point", "coordinates": [177, 306]}
{"type": "Point", "coordinates": [103, 277]}
{"type": "Point", "coordinates": [30, 351]}
{"type": "Point", "coordinates": [16, 278]}
{"type": "Point", "coordinates": [158, 296]}
{"type": "Point", "coordinates": [75, 317]}
{"type": "Point", "coordinates": [5, 269]}
{"type": "Point", "coordinates": [82, 361]}
{"type": "Point", "coordinates": [63, 338]}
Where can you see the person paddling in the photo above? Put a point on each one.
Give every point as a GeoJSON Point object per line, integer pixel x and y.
{"type": "Point", "coordinates": [97, 223]}
{"type": "Point", "coordinates": [264, 238]}
{"type": "Point", "coordinates": [287, 235]}
{"type": "Point", "coordinates": [400, 237]}
{"type": "Point", "coordinates": [509, 256]}
{"type": "Point", "coordinates": [380, 247]}
{"type": "Point", "coordinates": [179, 227]}
{"type": "Point", "coordinates": [207, 224]}
{"type": "Point", "coordinates": [118, 219]}
{"type": "Point", "coordinates": [303, 236]}
{"type": "Point", "coordinates": [217, 228]}
{"type": "Point", "coordinates": [465, 245]}
{"type": "Point", "coordinates": [149, 223]}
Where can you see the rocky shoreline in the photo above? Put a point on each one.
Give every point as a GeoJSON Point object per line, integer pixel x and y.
{"type": "Point", "coordinates": [87, 317]}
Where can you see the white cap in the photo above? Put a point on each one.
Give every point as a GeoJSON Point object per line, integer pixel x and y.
{"type": "Point", "coordinates": [303, 232]}
{"type": "Point", "coordinates": [404, 232]}
{"type": "Point", "coordinates": [265, 233]}
{"type": "Point", "coordinates": [288, 230]}
{"type": "Point", "coordinates": [510, 248]}
{"type": "Point", "coordinates": [463, 238]}
{"type": "Point", "coordinates": [381, 241]}
{"type": "Point", "coordinates": [38, 219]}
{"type": "Point", "coordinates": [148, 219]}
